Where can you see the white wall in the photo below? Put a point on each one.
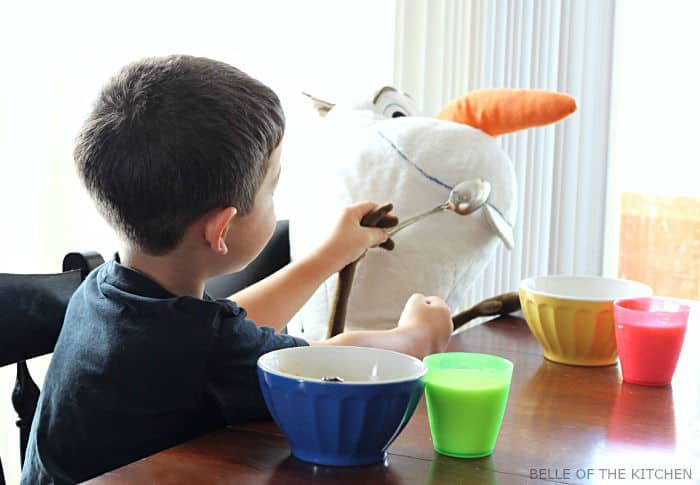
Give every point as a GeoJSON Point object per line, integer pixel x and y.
{"type": "Point", "coordinates": [57, 55]}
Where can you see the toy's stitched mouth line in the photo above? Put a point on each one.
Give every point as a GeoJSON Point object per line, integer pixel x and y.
{"type": "Point", "coordinates": [431, 177]}
{"type": "Point", "coordinates": [415, 165]}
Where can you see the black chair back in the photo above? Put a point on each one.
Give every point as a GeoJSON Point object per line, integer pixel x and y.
{"type": "Point", "coordinates": [32, 308]}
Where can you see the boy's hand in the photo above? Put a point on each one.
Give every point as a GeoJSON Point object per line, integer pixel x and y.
{"type": "Point", "coordinates": [349, 240]}
{"type": "Point", "coordinates": [429, 321]}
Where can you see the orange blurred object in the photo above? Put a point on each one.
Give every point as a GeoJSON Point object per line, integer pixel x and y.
{"type": "Point", "coordinates": [660, 243]}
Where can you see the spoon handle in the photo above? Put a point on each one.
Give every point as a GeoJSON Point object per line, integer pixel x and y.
{"type": "Point", "coordinates": [416, 218]}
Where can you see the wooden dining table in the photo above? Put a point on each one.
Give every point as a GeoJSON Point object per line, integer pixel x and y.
{"type": "Point", "coordinates": [562, 424]}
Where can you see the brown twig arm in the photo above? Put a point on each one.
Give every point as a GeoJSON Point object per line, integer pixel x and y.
{"type": "Point", "coordinates": [498, 305]}
{"type": "Point", "coordinates": [375, 218]}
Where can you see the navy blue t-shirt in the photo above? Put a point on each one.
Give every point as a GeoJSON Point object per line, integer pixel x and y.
{"type": "Point", "coordinates": [136, 370]}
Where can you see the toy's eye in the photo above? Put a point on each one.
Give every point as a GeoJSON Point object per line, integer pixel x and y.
{"type": "Point", "coordinates": [390, 103]}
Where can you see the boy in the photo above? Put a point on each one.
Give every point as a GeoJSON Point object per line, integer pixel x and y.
{"type": "Point", "coordinates": [181, 155]}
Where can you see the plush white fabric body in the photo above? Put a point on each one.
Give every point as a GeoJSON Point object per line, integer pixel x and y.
{"type": "Point", "coordinates": [441, 255]}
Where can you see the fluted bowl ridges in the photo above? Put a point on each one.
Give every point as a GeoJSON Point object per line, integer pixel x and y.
{"type": "Point", "coordinates": [340, 423]}
{"type": "Point", "coordinates": [572, 316]}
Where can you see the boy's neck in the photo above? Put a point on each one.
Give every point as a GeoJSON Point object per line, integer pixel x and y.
{"type": "Point", "coordinates": [177, 273]}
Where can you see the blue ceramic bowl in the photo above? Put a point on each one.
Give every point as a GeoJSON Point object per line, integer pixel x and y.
{"type": "Point", "coordinates": [340, 423]}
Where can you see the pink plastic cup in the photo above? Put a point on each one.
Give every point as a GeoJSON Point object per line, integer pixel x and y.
{"type": "Point", "coordinates": [649, 334]}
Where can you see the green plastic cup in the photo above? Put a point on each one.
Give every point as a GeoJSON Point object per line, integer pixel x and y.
{"type": "Point", "coordinates": [466, 396]}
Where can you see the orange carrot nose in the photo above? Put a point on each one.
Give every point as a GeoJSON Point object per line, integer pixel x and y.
{"type": "Point", "coordinates": [501, 111]}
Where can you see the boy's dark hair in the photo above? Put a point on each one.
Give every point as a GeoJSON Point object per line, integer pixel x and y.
{"type": "Point", "coordinates": [171, 138]}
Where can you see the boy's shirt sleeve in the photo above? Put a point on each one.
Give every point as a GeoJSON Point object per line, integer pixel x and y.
{"type": "Point", "coordinates": [232, 374]}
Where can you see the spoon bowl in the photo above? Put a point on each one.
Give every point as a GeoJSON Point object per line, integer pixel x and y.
{"type": "Point", "coordinates": [465, 198]}
{"type": "Point", "coordinates": [468, 196]}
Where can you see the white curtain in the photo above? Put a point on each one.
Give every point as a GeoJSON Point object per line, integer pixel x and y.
{"type": "Point", "coordinates": [445, 48]}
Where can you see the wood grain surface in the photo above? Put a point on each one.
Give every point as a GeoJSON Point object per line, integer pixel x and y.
{"type": "Point", "coordinates": [562, 424]}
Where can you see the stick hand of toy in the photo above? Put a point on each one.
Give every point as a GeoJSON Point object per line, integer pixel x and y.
{"type": "Point", "coordinates": [498, 305]}
{"type": "Point", "coordinates": [378, 217]}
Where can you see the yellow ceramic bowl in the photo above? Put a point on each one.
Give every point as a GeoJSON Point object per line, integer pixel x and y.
{"type": "Point", "coordinates": [572, 316]}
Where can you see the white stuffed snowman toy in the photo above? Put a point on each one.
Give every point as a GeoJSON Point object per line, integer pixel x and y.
{"type": "Point", "coordinates": [382, 150]}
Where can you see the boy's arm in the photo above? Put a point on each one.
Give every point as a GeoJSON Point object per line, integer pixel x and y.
{"type": "Point", "coordinates": [274, 301]}
{"type": "Point", "coordinates": [396, 339]}
{"type": "Point", "coordinates": [424, 328]}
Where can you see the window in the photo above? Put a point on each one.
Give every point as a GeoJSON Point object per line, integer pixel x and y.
{"type": "Point", "coordinates": [654, 197]}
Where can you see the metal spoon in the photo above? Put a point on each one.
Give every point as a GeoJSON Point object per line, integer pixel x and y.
{"type": "Point", "coordinates": [466, 197]}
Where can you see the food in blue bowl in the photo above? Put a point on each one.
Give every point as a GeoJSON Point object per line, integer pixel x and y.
{"type": "Point", "coordinates": [340, 406]}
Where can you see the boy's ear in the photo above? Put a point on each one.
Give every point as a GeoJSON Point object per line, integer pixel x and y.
{"type": "Point", "coordinates": [216, 226]}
